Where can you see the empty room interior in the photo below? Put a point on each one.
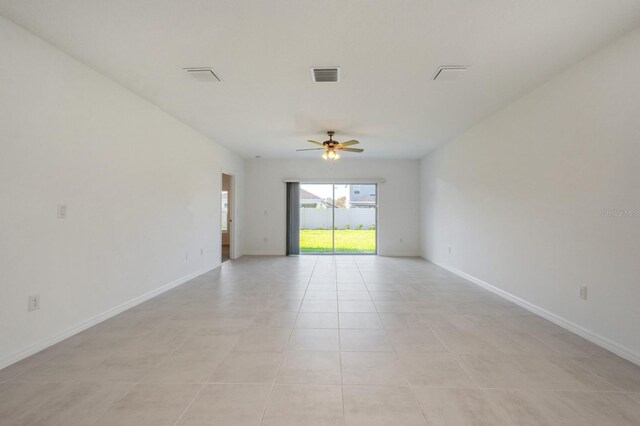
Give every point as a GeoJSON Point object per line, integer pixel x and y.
{"type": "Point", "coordinates": [340, 212]}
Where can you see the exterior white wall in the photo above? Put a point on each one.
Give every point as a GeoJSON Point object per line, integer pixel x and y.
{"type": "Point", "coordinates": [142, 192]}
{"type": "Point", "coordinates": [323, 218]}
{"type": "Point", "coordinates": [398, 199]}
{"type": "Point", "coordinates": [525, 198]}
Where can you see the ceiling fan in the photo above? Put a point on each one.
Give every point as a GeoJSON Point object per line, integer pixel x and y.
{"type": "Point", "coordinates": [332, 147]}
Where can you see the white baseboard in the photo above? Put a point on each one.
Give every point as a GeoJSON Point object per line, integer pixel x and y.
{"type": "Point", "coordinates": [400, 254]}
{"type": "Point", "coordinates": [595, 338]}
{"type": "Point", "coordinates": [68, 332]}
{"type": "Point", "coordinates": [264, 253]}
{"type": "Point", "coordinates": [277, 253]}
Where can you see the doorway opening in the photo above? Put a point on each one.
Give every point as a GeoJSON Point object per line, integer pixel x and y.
{"type": "Point", "coordinates": [338, 218]}
{"type": "Point", "coordinates": [226, 198]}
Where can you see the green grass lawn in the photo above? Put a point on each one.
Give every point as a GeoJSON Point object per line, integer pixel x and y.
{"type": "Point", "coordinates": [347, 240]}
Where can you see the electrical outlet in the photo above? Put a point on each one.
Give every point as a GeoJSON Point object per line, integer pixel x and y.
{"type": "Point", "coordinates": [34, 302]}
{"type": "Point", "coordinates": [62, 211]}
{"type": "Point", "coordinates": [583, 292]}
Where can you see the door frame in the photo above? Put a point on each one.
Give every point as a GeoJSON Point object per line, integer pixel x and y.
{"type": "Point", "coordinates": [231, 206]}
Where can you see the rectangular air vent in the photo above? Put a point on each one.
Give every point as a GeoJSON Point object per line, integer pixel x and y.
{"type": "Point", "coordinates": [202, 74]}
{"type": "Point", "coordinates": [449, 72]}
{"type": "Point", "coordinates": [325, 74]}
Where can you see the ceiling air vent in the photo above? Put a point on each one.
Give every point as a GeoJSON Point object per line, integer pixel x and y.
{"type": "Point", "coordinates": [202, 74]}
{"type": "Point", "coordinates": [325, 74]}
{"type": "Point", "coordinates": [449, 72]}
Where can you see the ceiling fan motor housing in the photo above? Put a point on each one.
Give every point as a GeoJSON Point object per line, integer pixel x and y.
{"type": "Point", "coordinates": [330, 142]}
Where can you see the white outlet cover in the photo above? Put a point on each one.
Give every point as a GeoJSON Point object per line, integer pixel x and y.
{"type": "Point", "coordinates": [584, 293]}
{"type": "Point", "coordinates": [62, 211]}
{"type": "Point", "coordinates": [34, 302]}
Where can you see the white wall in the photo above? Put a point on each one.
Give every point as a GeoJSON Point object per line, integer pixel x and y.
{"type": "Point", "coordinates": [141, 189]}
{"type": "Point", "coordinates": [398, 214]}
{"type": "Point", "coordinates": [520, 198]}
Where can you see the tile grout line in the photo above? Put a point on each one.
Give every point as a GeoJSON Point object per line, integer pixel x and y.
{"type": "Point", "coordinates": [156, 366]}
{"type": "Point", "coordinates": [395, 353]}
{"type": "Point", "coordinates": [141, 378]}
{"type": "Point", "coordinates": [484, 389]}
{"type": "Point", "coordinates": [275, 377]}
{"type": "Point", "coordinates": [340, 345]}
{"type": "Point", "coordinates": [133, 385]}
{"type": "Point", "coordinates": [189, 404]}
{"type": "Point", "coordinates": [413, 393]}
{"type": "Point", "coordinates": [616, 388]}
{"type": "Point", "coordinates": [453, 355]}
{"type": "Point", "coordinates": [237, 292]}
{"type": "Point", "coordinates": [203, 384]}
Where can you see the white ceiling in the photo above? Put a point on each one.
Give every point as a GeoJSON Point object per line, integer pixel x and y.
{"type": "Point", "coordinates": [387, 50]}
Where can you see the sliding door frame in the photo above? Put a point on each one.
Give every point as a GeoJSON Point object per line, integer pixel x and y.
{"type": "Point", "coordinates": [333, 214]}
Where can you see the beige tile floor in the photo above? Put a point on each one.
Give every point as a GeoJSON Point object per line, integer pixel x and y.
{"type": "Point", "coordinates": [353, 340]}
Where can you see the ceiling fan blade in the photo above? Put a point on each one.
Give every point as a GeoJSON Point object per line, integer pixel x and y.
{"type": "Point", "coordinates": [317, 143]}
{"type": "Point", "coordinates": [310, 149]}
{"type": "Point", "coordinates": [352, 149]}
{"type": "Point", "coordinates": [349, 143]}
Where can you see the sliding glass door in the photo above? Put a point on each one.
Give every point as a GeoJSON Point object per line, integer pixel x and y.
{"type": "Point", "coordinates": [316, 218]}
{"type": "Point", "coordinates": [338, 218]}
{"type": "Point", "coordinates": [355, 217]}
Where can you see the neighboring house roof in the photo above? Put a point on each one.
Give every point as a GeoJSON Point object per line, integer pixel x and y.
{"type": "Point", "coordinates": [306, 195]}
{"type": "Point", "coordinates": [309, 196]}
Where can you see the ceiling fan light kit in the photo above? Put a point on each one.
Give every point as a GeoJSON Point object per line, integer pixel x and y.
{"type": "Point", "coordinates": [331, 147]}
{"type": "Point", "coordinates": [330, 154]}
